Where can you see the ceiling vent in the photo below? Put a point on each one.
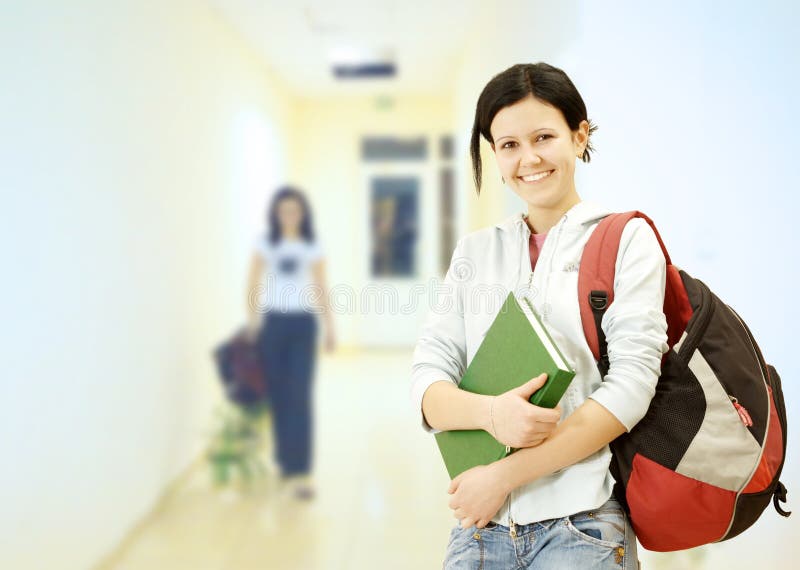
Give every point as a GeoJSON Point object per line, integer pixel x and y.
{"type": "Point", "coordinates": [351, 63]}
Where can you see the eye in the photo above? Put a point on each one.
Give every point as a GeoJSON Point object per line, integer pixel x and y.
{"type": "Point", "coordinates": [542, 137]}
{"type": "Point", "coordinates": [506, 144]}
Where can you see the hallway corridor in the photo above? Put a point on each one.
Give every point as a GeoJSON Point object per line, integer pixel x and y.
{"type": "Point", "coordinates": [381, 492]}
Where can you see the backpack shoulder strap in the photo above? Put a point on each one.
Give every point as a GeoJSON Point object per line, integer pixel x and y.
{"type": "Point", "coordinates": [596, 278]}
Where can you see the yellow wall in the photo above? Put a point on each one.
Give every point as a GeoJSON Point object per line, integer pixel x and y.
{"type": "Point", "coordinates": [326, 163]}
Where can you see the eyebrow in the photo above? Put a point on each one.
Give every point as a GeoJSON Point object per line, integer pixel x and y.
{"type": "Point", "coordinates": [498, 139]}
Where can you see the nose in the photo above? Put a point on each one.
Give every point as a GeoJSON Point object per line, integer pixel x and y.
{"type": "Point", "coordinates": [529, 156]}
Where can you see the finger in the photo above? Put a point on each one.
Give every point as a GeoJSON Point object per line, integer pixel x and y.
{"type": "Point", "coordinates": [529, 387]}
{"type": "Point", "coordinates": [482, 523]}
{"type": "Point", "coordinates": [538, 423]}
{"type": "Point", "coordinates": [454, 485]}
{"type": "Point", "coordinates": [545, 415]}
{"type": "Point", "coordinates": [537, 431]}
{"type": "Point", "coordinates": [467, 522]}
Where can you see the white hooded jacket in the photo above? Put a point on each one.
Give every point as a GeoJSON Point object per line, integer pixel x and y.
{"type": "Point", "coordinates": [489, 263]}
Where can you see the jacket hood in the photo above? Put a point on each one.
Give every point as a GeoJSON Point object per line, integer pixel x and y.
{"type": "Point", "coordinates": [584, 212]}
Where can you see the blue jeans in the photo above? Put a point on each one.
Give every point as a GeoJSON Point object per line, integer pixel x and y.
{"type": "Point", "coordinates": [287, 345]}
{"type": "Point", "coordinates": [597, 539]}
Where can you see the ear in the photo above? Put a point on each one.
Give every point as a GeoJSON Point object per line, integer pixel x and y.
{"type": "Point", "coordinates": [581, 136]}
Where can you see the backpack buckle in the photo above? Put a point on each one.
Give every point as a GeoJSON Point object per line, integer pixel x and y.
{"type": "Point", "coordinates": [598, 300]}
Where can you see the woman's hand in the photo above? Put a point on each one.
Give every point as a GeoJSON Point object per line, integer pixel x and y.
{"type": "Point", "coordinates": [516, 422]}
{"type": "Point", "coordinates": [477, 495]}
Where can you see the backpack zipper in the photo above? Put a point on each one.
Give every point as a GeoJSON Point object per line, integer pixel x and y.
{"type": "Point", "coordinates": [743, 414]}
{"type": "Point", "coordinates": [759, 357]}
{"type": "Point", "coordinates": [698, 330]}
{"type": "Point", "coordinates": [766, 430]}
{"type": "Point", "coordinates": [742, 411]}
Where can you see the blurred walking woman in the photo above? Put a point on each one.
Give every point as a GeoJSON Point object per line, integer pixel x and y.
{"type": "Point", "coordinates": [550, 504]}
{"type": "Point", "coordinates": [290, 259]}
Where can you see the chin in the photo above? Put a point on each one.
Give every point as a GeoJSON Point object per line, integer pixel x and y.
{"type": "Point", "coordinates": [539, 199]}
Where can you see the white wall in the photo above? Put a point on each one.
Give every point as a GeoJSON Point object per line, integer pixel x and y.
{"type": "Point", "coordinates": [516, 32]}
{"type": "Point", "coordinates": [139, 140]}
{"type": "Point", "coordinates": [695, 103]}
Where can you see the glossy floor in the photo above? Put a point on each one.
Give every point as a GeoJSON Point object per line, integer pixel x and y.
{"type": "Point", "coordinates": [381, 498]}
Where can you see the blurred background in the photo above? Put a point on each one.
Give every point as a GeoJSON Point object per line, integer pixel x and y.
{"type": "Point", "coordinates": [140, 144]}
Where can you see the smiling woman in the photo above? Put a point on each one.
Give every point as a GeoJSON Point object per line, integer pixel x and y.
{"type": "Point", "coordinates": [540, 506]}
{"type": "Point", "coordinates": [536, 152]}
{"type": "Point", "coordinates": [536, 123]}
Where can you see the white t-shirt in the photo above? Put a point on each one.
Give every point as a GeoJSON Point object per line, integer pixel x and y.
{"type": "Point", "coordinates": [288, 285]}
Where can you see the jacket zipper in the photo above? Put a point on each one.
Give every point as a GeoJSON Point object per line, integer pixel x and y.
{"type": "Point", "coordinates": [550, 266]}
{"type": "Point", "coordinates": [524, 262]}
{"type": "Point", "coordinates": [512, 526]}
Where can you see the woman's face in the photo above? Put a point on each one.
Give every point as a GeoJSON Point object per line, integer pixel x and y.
{"type": "Point", "coordinates": [290, 215]}
{"type": "Point", "coordinates": [536, 151]}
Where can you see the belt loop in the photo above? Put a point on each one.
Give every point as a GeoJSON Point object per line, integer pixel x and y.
{"type": "Point", "coordinates": [630, 560]}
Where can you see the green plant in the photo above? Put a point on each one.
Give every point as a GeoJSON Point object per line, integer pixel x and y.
{"type": "Point", "coordinates": [234, 450]}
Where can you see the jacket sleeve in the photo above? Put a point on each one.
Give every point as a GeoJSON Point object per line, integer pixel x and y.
{"type": "Point", "coordinates": [440, 352]}
{"type": "Point", "coordinates": [635, 326]}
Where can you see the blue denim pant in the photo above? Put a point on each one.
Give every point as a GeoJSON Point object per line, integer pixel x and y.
{"type": "Point", "coordinates": [597, 539]}
{"type": "Point", "coordinates": [287, 345]}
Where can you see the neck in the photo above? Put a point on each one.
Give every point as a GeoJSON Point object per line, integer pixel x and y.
{"type": "Point", "coordinates": [541, 219]}
{"type": "Point", "coordinates": [290, 234]}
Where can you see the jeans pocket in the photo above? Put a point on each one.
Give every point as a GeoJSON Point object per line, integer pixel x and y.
{"type": "Point", "coordinates": [604, 526]}
{"type": "Point", "coordinates": [463, 549]}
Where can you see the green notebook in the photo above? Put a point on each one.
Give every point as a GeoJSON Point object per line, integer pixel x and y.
{"type": "Point", "coordinates": [515, 349]}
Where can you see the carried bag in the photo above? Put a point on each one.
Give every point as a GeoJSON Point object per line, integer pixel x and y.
{"type": "Point", "coordinates": [241, 370]}
{"type": "Point", "coordinates": [703, 463]}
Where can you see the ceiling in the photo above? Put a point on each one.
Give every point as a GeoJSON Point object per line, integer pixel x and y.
{"type": "Point", "coordinates": [297, 39]}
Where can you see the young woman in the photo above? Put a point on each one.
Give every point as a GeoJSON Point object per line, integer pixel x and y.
{"type": "Point", "coordinates": [548, 505]}
{"type": "Point", "coordinates": [291, 260]}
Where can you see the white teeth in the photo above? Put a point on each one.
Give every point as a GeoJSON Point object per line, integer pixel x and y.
{"type": "Point", "coordinates": [535, 177]}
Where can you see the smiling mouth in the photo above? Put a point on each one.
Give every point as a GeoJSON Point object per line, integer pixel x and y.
{"type": "Point", "coordinates": [536, 177]}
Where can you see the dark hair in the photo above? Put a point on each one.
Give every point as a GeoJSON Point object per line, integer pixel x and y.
{"type": "Point", "coordinates": [542, 81]}
{"type": "Point", "coordinates": [306, 225]}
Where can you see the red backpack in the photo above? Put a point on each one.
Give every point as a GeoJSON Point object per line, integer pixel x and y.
{"type": "Point", "coordinates": [703, 463]}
